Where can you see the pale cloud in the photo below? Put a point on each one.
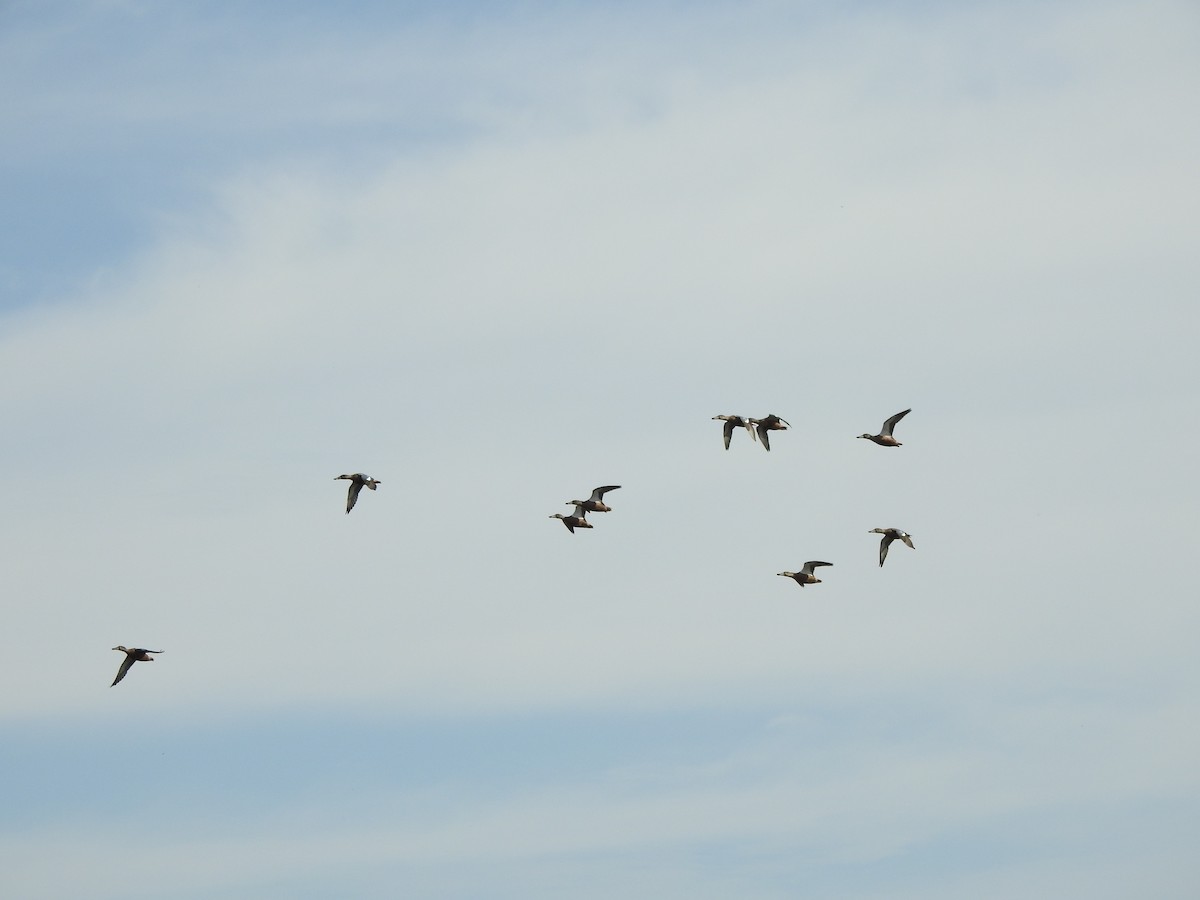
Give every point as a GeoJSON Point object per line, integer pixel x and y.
{"type": "Point", "coordinates": [792, 800]}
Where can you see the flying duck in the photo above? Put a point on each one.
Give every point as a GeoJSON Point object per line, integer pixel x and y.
{"type": "Point", "coordinates": [805, 575]}
{"type": "Point", "coordinates": [577, 520]}
{"type": "Point", "coordinates": [357, 481]}
{"type": "Point", "coordinates": [884, 438]}
{"type": "Point", "coordinates": [889, 535]}
{"type": "Point", "coordinates": [132, 655]}
{"type": "Point", "coordinates": [770, 423]}
{"type": "Point", "coordinates": [595, 503]}
{"type": "Point", "coordinates": [732, 422]}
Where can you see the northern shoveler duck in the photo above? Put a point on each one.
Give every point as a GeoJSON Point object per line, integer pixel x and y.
{"type": "Point", "coordinates": [595, 503]}
{"type": "Point", "coordinates": [576, 520]}
{"type": "Point", "coordinates": [884, 438]}
{"type": "Point", "coordinates": [357, 481]}
{"type": "Point", "coordinates": [732, 422]}
{"type": "Point", "coordinates": [889, 535]}
{"type": "Point", "coordinates": [770, 423]}
{"type": "Point", "coordinates": [132, 655]}
{"type": "Point", "coordinates": [805, 575]}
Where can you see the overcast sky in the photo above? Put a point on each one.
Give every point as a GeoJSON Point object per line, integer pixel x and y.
{"type": "Point", "coordinates": [496, 254]}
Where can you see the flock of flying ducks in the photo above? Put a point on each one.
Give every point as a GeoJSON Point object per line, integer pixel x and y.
{"type": "Point", "coordinates": [759, 429]}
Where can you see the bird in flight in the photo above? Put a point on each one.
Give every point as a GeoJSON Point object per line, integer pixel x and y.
{"type": "Point", "coordinates": [357, 481]}
{"type": "Point", "coordinates": [805, 575]}
{"type": "Point", "coordinates": [595, 503]}
{"type": "Point", "coordinates": [770, 423]}
{"type": "Point", "coordinates": [576, 520]}
{"type": "Point", "coordinates": [732, 422]}
{"type": "Point", "coordinates": [889, 535]}
{"type": "Point", "coordinates": [884, 438]}
{"type": "Point", "coordinates": [132, 655]}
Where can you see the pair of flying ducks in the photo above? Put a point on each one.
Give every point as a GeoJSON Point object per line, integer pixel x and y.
{"type": "Point", "coordinates": [594, 503]}
{"type": "Point", "coordinates": [758, 428]}
{"type": "Point", "coordinates": [806, 576]}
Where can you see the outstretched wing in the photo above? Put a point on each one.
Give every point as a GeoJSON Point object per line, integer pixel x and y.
{"type": "Point", "coordinates": [598, 493]}
{"type": "Point", "coordinates": [352, 495]}
{"type": "Point", "coordinates": [762, 436]}
{"type": "Point", "coordinates": [883, 547]}
{"type": "Point", "coordinates": [891, 423]}
{"type": "Point", "coordinates": [128, 661]}
{"type": "Point", "coordinates": [812, 564]}
{"type": "Point", "coordinates": [728, 431]}
{"type": "Point", "coordinates": [907, 538]}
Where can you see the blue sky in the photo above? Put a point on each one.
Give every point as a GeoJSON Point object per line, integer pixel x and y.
{"type": "Point", "coordinates": [495, 255]}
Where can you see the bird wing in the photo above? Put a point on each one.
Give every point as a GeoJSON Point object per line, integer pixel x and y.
{"type": "Point", "coordinates": [124, 668]}
{"type": "Point", "coordinates": [762, 436]}
{"type": "Point", "coordinates": [352, 494]}
{"type": "Point", "coordinates": [728, 431]}
{"type": "Point", "coordinates": [907, 538]}
{"type": "Point", "coordinates": [580, 511]}
{"type": "Point", "coordinates": [598, 493]}
{"type": "Point", "coordinates": [891, 423]}
{"type": "Point", "coordinates": [812, 564]}
{"type": "Point", "coordinates": [883, 547]}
